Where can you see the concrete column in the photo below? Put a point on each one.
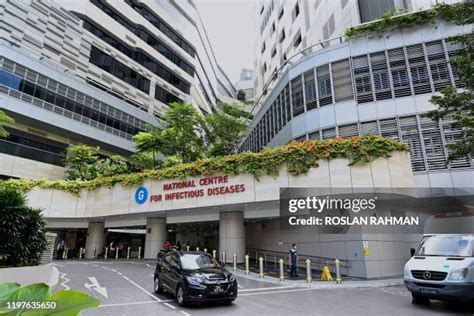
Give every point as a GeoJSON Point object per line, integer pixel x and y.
{"type": "Point", "coordinates": [232, 235]}
{"type": "Point", "coordinates": [95, 239]}
{"type": "Point", "coordinates": [156, 235]}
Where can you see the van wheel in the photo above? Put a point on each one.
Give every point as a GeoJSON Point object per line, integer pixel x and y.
{"type": "Point", "coordinates": [157, 285]}
{"type": "Point", "coordinates": [419, 300]}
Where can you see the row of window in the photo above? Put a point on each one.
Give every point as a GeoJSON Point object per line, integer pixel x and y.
{"type": "Point", "coordinates": [146, 36]}
{"type": "Point", "coordinates": [138, 56]}
{"type": "Point", "coordinates": [426, 138]}
{"type": "Point", "coordinates": [400, 72]}
{"type": "Point", "coordinates": [154, 19]}
{"type": "Point", "coordinates": [164, 96]}
{"type": "Point", "coordinates": [66, 101]}
{"type": "Point", "coordinates": [119, 70]}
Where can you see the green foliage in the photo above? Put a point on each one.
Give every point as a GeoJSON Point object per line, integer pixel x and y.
{"type": "Point", "coordinates": [241, 95]}
{"type": "Point", "coordinates": [4, 119]}
{"type": "Point", "coordinates": [459, 104]}
{"type": "Point", "coordinates": [83, 163]}
{"type": "Point", "coordinates": [68, 303]}
{"type": "Point", "coordinates": [224, 130]}
{"type": "Point", "coordinates": [22, 230]}
{"type": "Point", "coordinates": [299, 157]}
{"type": "Point", "coordinates": [459, 13]}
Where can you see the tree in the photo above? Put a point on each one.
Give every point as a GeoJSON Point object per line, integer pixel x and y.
{"type": "Point", "coordinates": [148, 145]}
{"type": "Point", "coordinates": [458, 103]}
{"type": "Point", "coordinates": [224, 130]}
{"type": "Point", "coordinates": [241, 95]}
{"type": "Point", "coordinates": [22, 230]}
{"type": "Point", "coordinates": [84, 163]}
{"type": "Point", "coordinates": [4, 119]}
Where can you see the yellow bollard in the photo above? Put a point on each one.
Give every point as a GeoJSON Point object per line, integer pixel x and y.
{"type": "Point", "coordinates": [260, 264]}
{"type": "Point", "coordinates": [282, 269]}
{"type": "Point", "coordinates": [308, 271]}
{"type": "Point", "coordinates": [139, 252]}
{"type": "Point", "coordinates": [234, 261]}
{"type": "Point", "coordinates": [65, 253]}
{"type": "Point", "coordinates": [224, 257]}
{"type": "Point", "coordinates": [128, 253]}
{"type": "Point", "coordinates": [80, 253]}
{"type": "Point", "coordinates": [197, 248]}
{"type": "Point", "coordinates": [247, 269]}
{"type": "Point", "coordinates": [205, 250]}
{"type": "Point", "coordinates": [116, 253]}
{"type": "Point", "coordinates": [338, 271]}
{"type": "Point", "coordinates": [214, 254]}
{"type": "Point", "coordinates": [187, 248]}
{"type": "Point", "coordinates": [94, 254]}
{"type": "Point", "coordinates": [106, 251]}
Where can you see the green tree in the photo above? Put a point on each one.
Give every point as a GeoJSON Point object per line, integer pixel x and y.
{"type": "Point", "coordinates": [224, 130]}
{"type": "Point", "coordinates": [241, 96]}
{"type": "Point", "coordinates": [458, 103]}
{"type": "Point", "coordinates": [148, 144]}
{"type": "Point", "coordinates": [83, 162]}
{"type": "Point", "coordinates": [4, 119]}
{"type": "Point", "coordinates": [22, 230]}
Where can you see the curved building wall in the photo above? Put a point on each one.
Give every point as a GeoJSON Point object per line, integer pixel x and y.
{"type": "Point", "coordinates": [376, 85]}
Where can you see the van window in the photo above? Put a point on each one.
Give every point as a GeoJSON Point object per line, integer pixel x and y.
{"type": "Point", "coordinates": [447, 246]}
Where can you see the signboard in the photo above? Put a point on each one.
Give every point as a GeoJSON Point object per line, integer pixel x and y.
{"type": "Point", "coordinates": [190, 189]}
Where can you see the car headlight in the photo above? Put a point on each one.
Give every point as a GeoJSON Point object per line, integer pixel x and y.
{"type": "Point", "coordinates": [194, 280]}
{"type": "Point", "coordinates": [406, 272]}
{"type": "Point", "coordinates": [459, 274]}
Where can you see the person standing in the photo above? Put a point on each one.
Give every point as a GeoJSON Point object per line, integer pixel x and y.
{"type": "Point", "coordinates": [294, 261]}
{"type": "Point", "coordinates": [60, 249]}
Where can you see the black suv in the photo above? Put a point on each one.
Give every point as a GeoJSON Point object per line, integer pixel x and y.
{"type": "Point", "coordinates": [194, 277]}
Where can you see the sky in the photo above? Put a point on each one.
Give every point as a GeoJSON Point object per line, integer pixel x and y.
{"type": "Point", "coordinates": [230, 26]}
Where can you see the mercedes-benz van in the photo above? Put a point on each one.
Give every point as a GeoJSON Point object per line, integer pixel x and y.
{"type": "Point", "coordinates": [441, 268]}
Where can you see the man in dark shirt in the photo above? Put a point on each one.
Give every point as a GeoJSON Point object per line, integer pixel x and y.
{"type": "Point", "coordinates": [294, 261]}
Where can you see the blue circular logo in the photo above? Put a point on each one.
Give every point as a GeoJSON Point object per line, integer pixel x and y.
{"type": "Point", "coordinates": [141, 195]}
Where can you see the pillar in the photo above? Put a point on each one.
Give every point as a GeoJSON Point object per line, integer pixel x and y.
{"type": "Point", "coordinates": [95, 239]}
{"type": "Point", "coordinates": [232, 235]}
{"type": "Point", "coordinates": [156, 235]}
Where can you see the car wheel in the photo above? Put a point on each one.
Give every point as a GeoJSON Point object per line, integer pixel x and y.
{"type": "Point", "coordinates": [418, 299]}
{"type": "Point", "coordinates": [181, 296]}
{"type": "Point", "coordinates": [157, 285]}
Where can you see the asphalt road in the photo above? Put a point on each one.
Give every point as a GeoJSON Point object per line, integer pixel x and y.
{"type": "Point", "coordinates": [126, 288]}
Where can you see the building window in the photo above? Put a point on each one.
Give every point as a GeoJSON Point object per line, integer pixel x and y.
{"type": "Point", "coordinates": [262, 9]}
{"type": "Point", "coordinates": [342, 81]}
{"type": "Point", "coordinates": [378, 62]}
{"type": "Point", "coordinates": [297, 41]}
{"type": "Point", "coordinates": [297, 96]}
{"type": "Point", "coordinates": [264, 68]}
{"type": "Point", "coordinates": [362, 79]}
{"type": "Point", "coordinates": [310, 90]}
{"type": "Point", "coordinates": [274, 51]}
{"type": "Point", "coordinates": [324, 85]}
{"type": "Point", "coordinates": [280, 15]}
{"type": "Point", "coordinates": [296, 11]}
{"type": "Point", "coordinates": [282, 36]}
{"type": "Point", "coordinates": [263, 47]}
{"type": "Point", "coordinates": [273, 27]}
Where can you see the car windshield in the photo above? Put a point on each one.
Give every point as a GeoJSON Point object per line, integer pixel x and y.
{"type": "Point", "coordinates": [447, 246]}
{"type": "Point", "coordinates": [197, 261]}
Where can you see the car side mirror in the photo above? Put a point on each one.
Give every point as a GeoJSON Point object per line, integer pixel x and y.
{"type": "Point", "coordinates": [412, 251]}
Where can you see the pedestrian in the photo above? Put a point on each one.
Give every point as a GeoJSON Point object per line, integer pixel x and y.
{"type": "Point", "coordinates": [178, 245]}
{"type": "Point", "coordinates": [60, 249]}
{"type": "Point", "coordinates": [294, 261]}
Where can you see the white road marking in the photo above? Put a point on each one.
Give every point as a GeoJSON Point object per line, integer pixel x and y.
{"type": "Point", "coordinates": [141, 288]}
{"type": "Point", "coordinates": [267, 288]}
{"type": "Point", "coordinates": [185, 313]}
{"type": "Point", "coordinates": [94, 285]}
{"type": "Point", "coordinates": [136, 303]}
{"type": "Point", "coordinates": [169, 305]}
{"type": "Point", "coordinates": [113, 270]}
{"type": "Point", "coordinates": [149, 266]}
{"type": "Point", "coordinates": [119, 273]}
{"type": "Point", "coordinates": [66, 280]}
{"type": "Point", "coordinates": [240, 286]}
{"type": "Point", "coordinates": [276, 292]}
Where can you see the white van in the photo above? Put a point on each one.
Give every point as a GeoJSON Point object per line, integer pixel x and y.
{"type": "Point", "coordinates": [441, 268]}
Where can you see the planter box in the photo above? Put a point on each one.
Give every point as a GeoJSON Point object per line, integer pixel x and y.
{"type": "Point", "coordinates": [46, 273]}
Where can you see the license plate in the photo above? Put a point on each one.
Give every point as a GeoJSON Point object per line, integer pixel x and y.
{"type": "Point", "coordinates": [428, 291]}
{"type": "Point", "coordinates": [218, 289]}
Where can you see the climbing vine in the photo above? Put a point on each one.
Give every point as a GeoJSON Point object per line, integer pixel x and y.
{"type": "Point", "coordinates": [458, 13]}
{"type": "Point", "coordinates": [299, 158]}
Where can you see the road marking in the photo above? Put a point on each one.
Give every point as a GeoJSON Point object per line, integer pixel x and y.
{"type": "Point", "coordinates": [276, 292]}
{"type": "Point", "coordinates": [62, 276]}
{"type": "Point", "coordinates": [185, 313]}
{"type": "Point", "coordinates": [141, 288]}
{"type": "Point", "coordinates": [136, 303]}
{"type": "Point", "coordinates": [119, 273]}
{"type": "Point", "coordinates": [240, 286]}
{"type": "Point", "coordinates": [113, 270]}
{"type": "Point", "coordinates": [267, 288]}
{"type": "Point", "coordinates": [149, 266]}
{"type": "Point", "coordinates": [94, 285]}
{"type": "Point", "coordinates": [169, 305]}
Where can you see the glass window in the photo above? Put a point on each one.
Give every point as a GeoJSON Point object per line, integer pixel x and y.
{"type": "Point", "coordinates": [9, 80]}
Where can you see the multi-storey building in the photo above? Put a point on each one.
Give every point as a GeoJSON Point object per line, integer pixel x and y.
{"type": "Point", "coordinates": [245, 84]}
{"type": "Point", "coordinates": [372, 84]}
{"type": "Point", "coordinates": [97, 72]}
